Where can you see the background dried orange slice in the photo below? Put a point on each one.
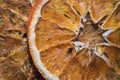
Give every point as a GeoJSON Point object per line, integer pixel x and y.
{"type": "Point", "coordinates": [68, 42]}
{"type": "Point", "coordinates": [15, 61]}
{"type": "Point", "coordinates": [13, 17]}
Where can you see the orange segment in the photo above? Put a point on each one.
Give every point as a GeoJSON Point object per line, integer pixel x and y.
{"type": "Point", "coordinates": [113, 54]}
{"type": "Point", "coordinates": [113, 21]}
{"type": "Point", "coordinates": [82, 67]}
{"type": "Point", "coordinates": [60, 13]}
{"type": "Point", "coordinates": [76, 67]}
{"type": "Point", "coordinates": [99, 70]}
{"type": "Point", "coordinates": [49, 34]}
{"type": "Point", "coordinates": [56, 58]}
{"type": "Point", "coordinates": [80, 6]}
{"type": "Point", "coordinates": [114, 37]}
{"type": "Point", "coordinates": [100, 8]}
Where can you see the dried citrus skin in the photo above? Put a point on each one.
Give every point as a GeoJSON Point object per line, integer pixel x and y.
{"type": "Point", "coordinates": [52, 32]}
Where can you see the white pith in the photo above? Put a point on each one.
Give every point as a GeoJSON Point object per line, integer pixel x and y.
{"type": "Point", "coordinates": [106, 34]}
{"type": "Point", "coordinates": [34, 51]}
{"type": "Point", "coordinates": [79, 45]}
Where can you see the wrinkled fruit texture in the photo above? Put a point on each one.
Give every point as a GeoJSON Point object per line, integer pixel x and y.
{"type": "Point", "coordinates": [78, 39]}
{"type": "Point", "coordinates": [13, 17]}
{"type": "Point", "coordinates": [15, 61]}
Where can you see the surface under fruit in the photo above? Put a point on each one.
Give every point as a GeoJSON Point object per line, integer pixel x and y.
{"type": "Point", "coordinates": [76, 39]}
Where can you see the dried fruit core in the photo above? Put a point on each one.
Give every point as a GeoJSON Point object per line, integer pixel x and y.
{"type": "Point", "coordinates": [90, 34]}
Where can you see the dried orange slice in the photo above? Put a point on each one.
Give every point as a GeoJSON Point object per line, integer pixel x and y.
{"type": "Point", "coordinates": [14, 61]}
{"type": "Point", "coordinates": [13, 17]}
{"type": "Point", "coordinates": [67, 46]}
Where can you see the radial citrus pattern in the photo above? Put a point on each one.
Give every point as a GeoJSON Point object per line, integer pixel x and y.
{"type": "Point", "coordinates": [76, 39]}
